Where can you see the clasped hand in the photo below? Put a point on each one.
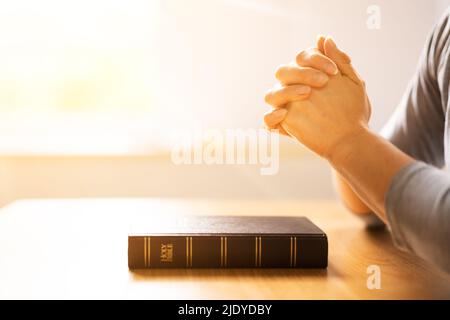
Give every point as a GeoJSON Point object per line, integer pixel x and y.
{"type": "Point", "coordinates": [320, 100]}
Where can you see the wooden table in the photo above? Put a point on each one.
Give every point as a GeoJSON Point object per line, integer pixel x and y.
{"type": "Point", "coordinates": [78, 249]}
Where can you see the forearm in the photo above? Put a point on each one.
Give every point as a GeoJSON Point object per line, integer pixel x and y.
{"type": "Point", "coordinates": [350, 199]}
{"type": "Point", "coordinates": [412, 197]}
{"type": "Point", "coordinates": [369, 163]}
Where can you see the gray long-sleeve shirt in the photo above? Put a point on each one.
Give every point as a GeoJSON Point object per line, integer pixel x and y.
{"type": "Point", "coordinates": [418, 200]}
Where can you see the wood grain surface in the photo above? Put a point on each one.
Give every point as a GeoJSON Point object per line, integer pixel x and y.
{"type": "Point", "coordinates": [78, 249]}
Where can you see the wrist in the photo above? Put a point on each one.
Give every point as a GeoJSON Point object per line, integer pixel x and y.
{"type": "Point", "coordinates": [347, 147]}
{"type": "Point", "coordinates": [369, 163]}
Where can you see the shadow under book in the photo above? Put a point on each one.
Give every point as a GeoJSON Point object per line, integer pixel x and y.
{"type": "Point", "coordinates": [230, 242]}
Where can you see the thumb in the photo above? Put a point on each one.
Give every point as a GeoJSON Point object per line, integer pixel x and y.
{"type": "Point", "coordinates": [341, 59]}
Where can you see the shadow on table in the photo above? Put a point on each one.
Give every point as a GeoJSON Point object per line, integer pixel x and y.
{"type": "Point", "coordinates": [380, 236]}
{"type": "Point", "coordinates": [208, 274]}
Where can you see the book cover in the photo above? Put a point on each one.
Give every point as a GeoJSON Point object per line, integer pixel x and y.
{"type": "Point", "coordinates": [229, 242]}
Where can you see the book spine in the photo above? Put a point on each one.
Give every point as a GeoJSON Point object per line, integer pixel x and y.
{"type": "Point", "coordinates": [227, 251]}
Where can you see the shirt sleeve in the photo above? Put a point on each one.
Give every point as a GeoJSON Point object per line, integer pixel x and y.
{"type": "Point", "coordinates": [418, 200]}
{"type": "Point", "coordinates": [418, 211]}
{"type": "Point", "coordinates": [418, 124]}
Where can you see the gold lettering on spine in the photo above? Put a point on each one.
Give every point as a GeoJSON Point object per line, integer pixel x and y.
{"type": "Point", "coordinates": [190, 251]}
{"type": "Point", "coordinates": [221, 251]}
{"type": "Point", "coordinates": [148, 252]}
{"type": "Point", "coordinates": [145, 252]}
{"type": "Point", "coordinates": [225, 260]}
{"type": "Point", "coordinates": [291, 261]}
{"type": "Point", "coordinates": [187, 251]}
{"type": "Point", "coordinates": [260, 251]}
{"type": "Point", "coordinates": [256, 251]}
{"type": "Point", "coordinates": [295, 252]}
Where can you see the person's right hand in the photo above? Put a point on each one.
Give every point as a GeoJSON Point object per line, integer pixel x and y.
{"type": "Point", "coordinates": [311, 69]}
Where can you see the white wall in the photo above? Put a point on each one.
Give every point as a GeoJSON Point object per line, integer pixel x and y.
{"type": "Point", "coordinates": [61, 177]}
{"type": "Point", "coordinates": [218, 64]}
{"type": "Point", "coordinates": [386, 58]}
{"type": "Point", "coordinates": [441, 5]}
{"type": "Point", "coordinates": [223, 53]}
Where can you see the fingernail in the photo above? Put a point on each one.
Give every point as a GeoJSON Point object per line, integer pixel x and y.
{"type": "Point", "coordinates": [332, 42]}
{"type": "Point", "coordinates": [303, 90]}
{"type": "Point", "coordinates": [319, 36]}
{"type": "Point", "coordinates": [279, 113]}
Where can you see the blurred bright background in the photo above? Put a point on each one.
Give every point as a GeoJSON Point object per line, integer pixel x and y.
{"type": "Point", "coordinates": [90, 91]}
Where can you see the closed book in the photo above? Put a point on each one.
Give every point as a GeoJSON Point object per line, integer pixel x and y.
{"type": "Point", "coordinates": [230, 242]}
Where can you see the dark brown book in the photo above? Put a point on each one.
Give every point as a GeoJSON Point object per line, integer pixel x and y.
{"type": "Point", "coordinates": [230, 242]}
